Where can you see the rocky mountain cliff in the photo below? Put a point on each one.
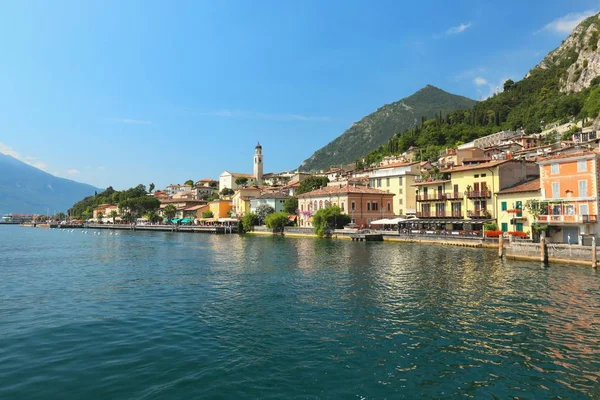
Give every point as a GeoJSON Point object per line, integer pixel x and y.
{"type": "Point", "coordinates": [377, 128]}
{"type": "Point", "coordinates": [580, 50]}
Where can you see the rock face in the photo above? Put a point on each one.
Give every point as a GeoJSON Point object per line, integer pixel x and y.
{"type": "Point", "coordinates": [580, 51]}
{"type": "Point", "coordinates": [377, 128]}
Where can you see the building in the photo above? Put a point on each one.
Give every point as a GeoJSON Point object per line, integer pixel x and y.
{"type": "Point", "coordinates": [276, 200]}
{"type": "Point", "coordinates": [101, 209]}
{"type": "Point", "coordinates": [465, 195]}
{"type": "Point", "coordinates": [174, 189]}
{"type": "Point", "coordinates": [258, 164]}
{"type": "Point", "coordinates": [220, 209]}
{"type": "Point", "coordinates": [569, 188]}
{"type": "Point", "coordinates": [397, 178]}
{"type": "Point", "coordinates": [361, 203]}
{"type": "Point", "coordinates": [180, 205]}
{"type": "Point", "coordinates": [227, 180]}
{"type": "Point", "coordinates": [513, 214]}
{"type": "Point", "coordinates": [240, 202]}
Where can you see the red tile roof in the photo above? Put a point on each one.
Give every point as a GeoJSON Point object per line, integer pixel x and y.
{"type": "Point", "coordinates": [569, 155]}
{"type": "Point", "coordinates": [490, 164]}
{"type": "Point", "coordinates": [529, 186]}
{"type": "Point", "coordinates": [329, 190]}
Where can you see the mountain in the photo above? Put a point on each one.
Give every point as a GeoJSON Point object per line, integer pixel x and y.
{"type": "Point", "coordinates": [27, 190]}
{"type": "Point", "coordinates": [376, 128]}
{"type": "Point", "coordinates": [563, 88]}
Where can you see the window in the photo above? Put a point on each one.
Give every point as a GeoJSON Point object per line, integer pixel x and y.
{"type": "Point", "coordinates": [554, 169]}
{"type": "Point", "coordinates": [504, 227]}
{"type": "Point", "coordinates": [400, 201]}
{"type": "Point", "coordinates": [372, 182]}
{"type": "Point", "coordinates": [556, 209]}
{"type": "Point", "coordinates": [378, 182]}
{"type": "Point", "coordinates": [519, 227]}
{"type": "Point", "coordinates": [353, 221]}
{"type": "Point", "coordinates": [584, 210]}
{"type": "Point", "coordinates": [342, 206]}
{"type": "Point", "coordinates": [389, 206]}
{"type": "Point", "coordinates": [581, 165]}
{"type": "Point", "coordinates": [555, 190]}
{"type": "Point", "coordinates": [483, 175]}
{"type": "Point", "coordinates": [476, 176]}
{"type": "Point", "coordinates": [368, 206]}
{"type": "Point", "coordinates": [582, 188]}
{"type": "Point", "coordinates": [400, 180]}
{"type": "Point", "coordinates": [387, 182]}
{"type": "Point", "coordinates": [368, 220]}
{"type": "Point", "coordinates": [400, 191]}
{"type": "Point", "coordinates": [353, 205]}
{"type": "Point", "coordinates": [569, 209]}
{"type": "Point", "coordinates": [503, 206]}
{"type": "Point", "coordinates": [519, 206]}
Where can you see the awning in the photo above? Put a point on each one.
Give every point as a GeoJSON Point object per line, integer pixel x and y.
{"type": "Point", "coordinates": [228, 220]}
{"type": "Point", "coordinates": [187, 220]}
{"type": "Point", "coordinates": [384, 221]}
{"type": "Point", "coordinates": [291, 217]}
{"type": "Point", "coordinates": [175, 220]}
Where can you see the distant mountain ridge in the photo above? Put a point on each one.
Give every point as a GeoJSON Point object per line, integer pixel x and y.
{"type": "Point", "coordinates": [29, 190]}
{"type": "Point", "coordinates": [378, 127]}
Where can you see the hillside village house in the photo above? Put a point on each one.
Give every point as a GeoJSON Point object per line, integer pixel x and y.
{"type": "Point", "coordinates": [465, 195]}
{"type": "Point", "coordinates": [569, 183]}
{"type": "Point", "coordinates": [105, 210]}
{"type": "Point", "coordinates": [275, 200]}
{"type": "Point", "coordinates": [174, 189]}
{"type": "Point", "coordinates": [220, 209]}
{"type": "Point", "coordinates": [227, 180]}
{"type": "Point", "coordinates": [397, 178]}
{"type": "Point", "coordinates": [361, 203]}
{"type": "Point", "coordinates": [240, 202]}
{"type": "Point", "coordinates": [513, 215]}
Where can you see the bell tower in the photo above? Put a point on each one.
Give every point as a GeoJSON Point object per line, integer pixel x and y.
{"type": "Point", "coordinates": [258, 164]}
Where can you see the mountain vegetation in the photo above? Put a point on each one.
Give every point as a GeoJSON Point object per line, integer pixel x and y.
{"type": "Point", "coordinates": [544, 96]}
{"type": "Point", "coordinates": [132, 203]}
{"type": "Point", "coordinates": [377, 128]}
{"type": "Point", "coordinates": [28, 190]}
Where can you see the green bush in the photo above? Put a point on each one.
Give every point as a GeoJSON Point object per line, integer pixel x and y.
{"type": "Point", "coordinates": [248, 222]}
{"type": "Point", "coordinates": [277, 221]}
{"type": "Point", "coordinates": [329, 217]}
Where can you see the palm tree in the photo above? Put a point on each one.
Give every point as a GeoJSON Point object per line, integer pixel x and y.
{"type": "Point", "coordinates": [113, 214]}
{"type": "Point", "coordinates": [99, 217]}
{"type": "Point", "coordinates": [169, 211]}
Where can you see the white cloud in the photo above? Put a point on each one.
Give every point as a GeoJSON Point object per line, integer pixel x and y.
{"type": "Point", "coordinates": [566, 23]}
{"type": "Point", "coordinates": [486, 89]}
{"type": "Point", "coordinates": [9, 151]}
{"type": "Point", "coordinates": [455, 30]}
{"type": "Point", "coordinates": [132, 121]}
{"type": "Point", "coordinates": [479, 81]}
{"type": "Point", "coordinates": [72, 171]}
{"type": "Point", "coordinates": [256, 115]}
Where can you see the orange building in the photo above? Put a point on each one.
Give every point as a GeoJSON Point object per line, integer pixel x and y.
{"type": "Point", "coordinates": [569, 186]}
{"type": "Point", "coordinates": [361, 203]}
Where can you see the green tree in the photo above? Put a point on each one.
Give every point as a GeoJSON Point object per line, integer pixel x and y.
{"type": "Point", "coordinates": [227, 192]}
{"type": "Point", "coordinates": [169, 212]}
{"type": "Point", "coordinates": [508, 85]}
{"type": "Point", "coordinates": [262, 211]}
{"type": "Point", "coordinates": [99, 217]}
{"type": "Point", "coordinates": [208, 214]}
{"type": "Point", "coordinates": [277, 221]}
{"type": "Point", "coordinates": [241, 181]}
{"type": "Point", "coordinates": [151, 188]}
{"type": "Point", "coordinates": [290, 206]}
{"type": "Point", "coordinates": [327, 218]}
{"type": "Point", "coordinates": [312, 183]}
{"type": "Point", "coordinates": [153, 217]}
{"type": "Point", "coordinates": [189, 182]}
{"type": "Point", "coordinates": [114, 214]}
{"type": "Point", "coordinates": [249, 221]}
{"type": "Point", "coordinates": [213, 184]}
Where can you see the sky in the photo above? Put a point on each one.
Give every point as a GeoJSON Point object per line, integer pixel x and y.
{"type": "Point", "coordinates": [117, 93]}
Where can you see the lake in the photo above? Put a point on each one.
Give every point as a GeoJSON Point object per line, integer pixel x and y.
{"type": "Point", "coordinates": [148, 315]}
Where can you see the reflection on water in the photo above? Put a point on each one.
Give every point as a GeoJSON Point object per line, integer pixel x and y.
{"type": "Point", "coordinates": [149, 315]}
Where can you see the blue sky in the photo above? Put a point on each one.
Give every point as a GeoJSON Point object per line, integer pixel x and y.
{"type": "Point", "coordinates": [126, 92]}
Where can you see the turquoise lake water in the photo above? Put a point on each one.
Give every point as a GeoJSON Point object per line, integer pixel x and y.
{"type": "Point", "coordinates": [174, 315]}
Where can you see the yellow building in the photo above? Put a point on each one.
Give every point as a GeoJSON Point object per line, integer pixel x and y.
{"type": "Point", "coordinates": [466, 194]}
{"type": "Point", "coordinates": [240, 202]}
{"type": "Point", "coordinates": [513, 215]}
{"type": "Point", "coordinates": [220, 208]}
{"type": "Point", "coordinates": [397, 178]}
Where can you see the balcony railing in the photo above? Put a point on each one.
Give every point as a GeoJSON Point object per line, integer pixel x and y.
{"type": "Point", "coordinates": [567, 219]}
{"type": "Point", "coordinates": [438, 214]}
{"type": "Point", "coordinates": [454, 196]}
{"type": "Point", "coordinates": [479, 194]}
{"type": "Point", "coordinates": [478, 214]}
{"type": "Point", "coordinates": [435, 196]}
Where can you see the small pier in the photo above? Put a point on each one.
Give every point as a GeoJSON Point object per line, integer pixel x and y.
{"type": "Point", "coordinates": [366, 237]}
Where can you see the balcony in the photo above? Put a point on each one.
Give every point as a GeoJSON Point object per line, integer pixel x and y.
{"type": "Point", "coordinates": [435, 196]}
{"type": "Point", "coordinates": [479, 194]}
{"type": "Point", "coordinates": [479, 214]}
{"type": "Point", "coordinates": [454, 196]}
{"type": "Point", "coordinates": [567, 219]}
{"type": "Point", "coordinates": [439, 214]}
